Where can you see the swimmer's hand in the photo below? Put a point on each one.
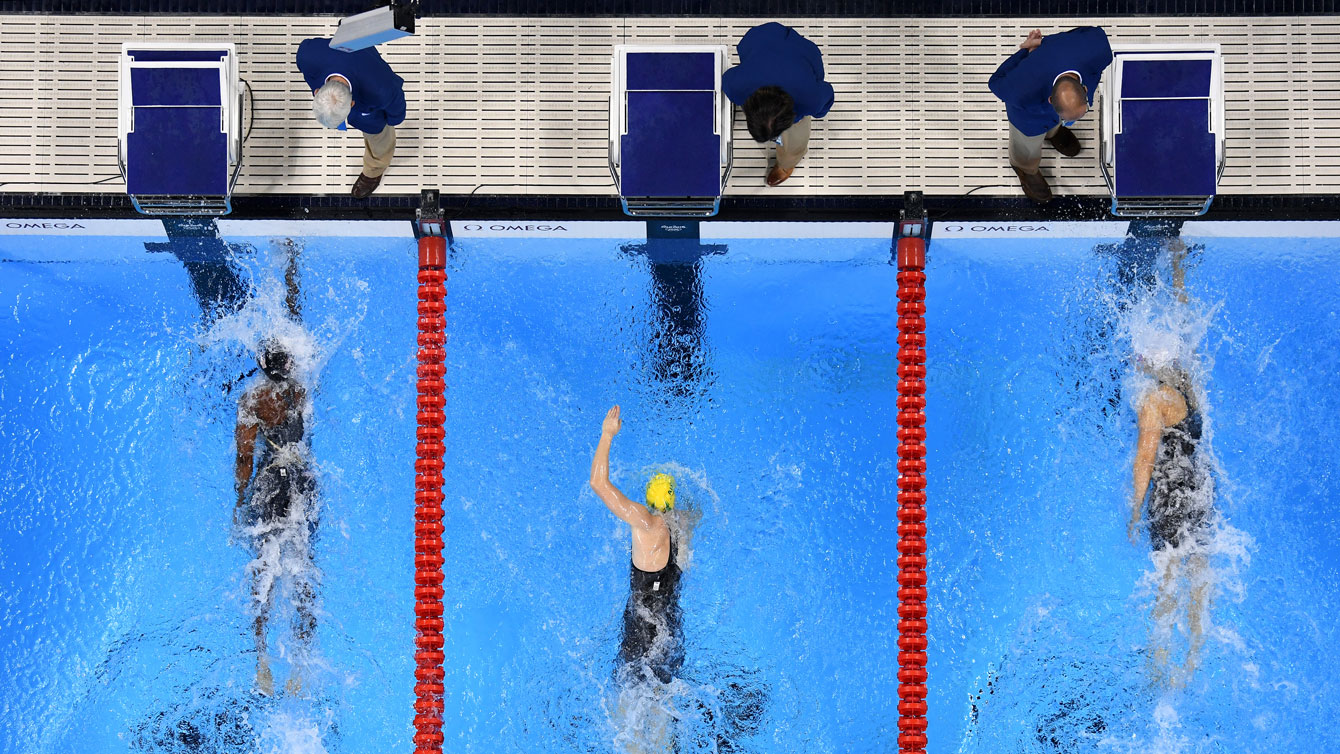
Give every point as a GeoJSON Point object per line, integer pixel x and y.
{"type": "Point", "coordinates": [1133, 530]}
{"type": "Point", "coordinates": [612, 424]}
{"type": "Point", "coordinates": [1034, 39]}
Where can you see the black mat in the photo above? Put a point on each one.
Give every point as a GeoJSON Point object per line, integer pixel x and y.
{"type": "Point", "coordinates": [816, 208]}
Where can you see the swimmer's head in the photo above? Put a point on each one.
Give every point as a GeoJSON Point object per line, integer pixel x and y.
{"type": "Point", "coordinates": [274, 360]}
{"type": "Point", "coordinates": [1158, 360]}
{"type": "Point", "coordinates": [661, 492]}
{"type": "Point", "coordinates": [1168, 370]}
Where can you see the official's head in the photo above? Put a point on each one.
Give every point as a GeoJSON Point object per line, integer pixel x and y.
{"type": "Point", "coordinates": [1069, 98]}
{"type": "Point", "coordinates": [332, 102]}
{"type": "Point", "coordinates": [768, 112]}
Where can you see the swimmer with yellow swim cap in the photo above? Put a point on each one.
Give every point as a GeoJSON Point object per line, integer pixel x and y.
{"type": "Point", "coordinates": [653, 600]}
{"type": "Point", "coordinates": [661, 492]}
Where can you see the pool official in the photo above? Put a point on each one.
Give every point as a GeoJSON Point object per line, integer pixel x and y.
{"type": "Point", "coordinates": [360, 88]}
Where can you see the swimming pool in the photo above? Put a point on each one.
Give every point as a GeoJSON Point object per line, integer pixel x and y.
{"type": "Point", "coordinates": [761, 372]}
{"type": "Point", "coordinates": [1040, 606]}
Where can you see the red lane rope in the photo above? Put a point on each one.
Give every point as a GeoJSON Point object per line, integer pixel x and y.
{"type": "Point", "coordinates": [912, 495]}
{"type": "Point", "coordinates": [432, 402]}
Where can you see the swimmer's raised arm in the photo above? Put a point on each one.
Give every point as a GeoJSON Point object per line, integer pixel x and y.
{"type": "Point", "coordinates": [618, 503]}
{"type": "Point", "coordinates": [1177, 252]}
{"type": "Point", "coordinates": [293, 298]}
{"type": "Point", "coordinates": [1146, 448]}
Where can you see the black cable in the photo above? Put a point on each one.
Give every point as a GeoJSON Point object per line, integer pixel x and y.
{"type": "Point", "coordinates": [471, 196]}
{"type": "Point", "coordinates": [49, 183]}
{"type": "Point", "coordinates": [957, 206]}
{"type": "Point", "coordinates": [251, 111]}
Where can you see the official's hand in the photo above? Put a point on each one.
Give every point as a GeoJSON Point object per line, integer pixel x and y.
{"type": "Point", "coordinates": [612, 424]}
{"type": "Point", "coordinates": [1034, 39]}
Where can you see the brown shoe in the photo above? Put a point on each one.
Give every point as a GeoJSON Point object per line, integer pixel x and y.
{"type": "Point", "coordinates": [777, 175]}
{"type": "Point", "coordinates": [364, 186]}
{"type": "Point", "coordinates": [1035, 186]}
{"type": "Point", "coordinates": [1065, 141]}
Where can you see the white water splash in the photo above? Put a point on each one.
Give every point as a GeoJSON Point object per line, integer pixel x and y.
{"type": "Point", "coordinates": [292, 731]}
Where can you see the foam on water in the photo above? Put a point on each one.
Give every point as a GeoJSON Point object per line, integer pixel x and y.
{"type": "Point", "coordinates": [294, 730]}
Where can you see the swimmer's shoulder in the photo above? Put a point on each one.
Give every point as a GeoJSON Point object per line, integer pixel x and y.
{"type": "Point", "coordinates": [1172, 405]}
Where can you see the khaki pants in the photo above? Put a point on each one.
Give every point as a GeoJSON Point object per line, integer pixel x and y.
{"type": "Point", "coordinates": [1026, 151]}
{"type": "Point", "coordinates": [377, 151]}
{"type": "Point", "coordinates": [795, 142]}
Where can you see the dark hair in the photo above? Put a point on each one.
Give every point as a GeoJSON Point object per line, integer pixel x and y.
{"type": "Point", "coordinates": [768, 112]}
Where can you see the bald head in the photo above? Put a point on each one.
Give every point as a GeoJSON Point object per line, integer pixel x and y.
{"type": "Point", "coordinates": [1069, 98]}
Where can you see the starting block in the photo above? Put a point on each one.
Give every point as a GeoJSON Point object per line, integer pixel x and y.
{"type": "Point", "coordinates": [670, 129]}
{"type": "Point", "coordinates": [1161, 128]}
{"type": "Point", "coordinates": [179, 126]}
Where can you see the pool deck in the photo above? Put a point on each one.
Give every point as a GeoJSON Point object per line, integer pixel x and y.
{"type": "Point", "coordinates": [518, 106]}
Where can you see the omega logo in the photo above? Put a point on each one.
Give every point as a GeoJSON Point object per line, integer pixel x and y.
{"type": "Point", "coordinates": [46, 226]}
{"type": "Point", "coordinates": [526, 228]}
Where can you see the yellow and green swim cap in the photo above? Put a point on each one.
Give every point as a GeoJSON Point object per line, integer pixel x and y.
{"type": "Point", "coordinates": [661, 492]}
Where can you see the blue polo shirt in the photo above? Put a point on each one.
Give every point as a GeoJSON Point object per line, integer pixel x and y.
{"type": "Point", "coordinates": [776, 55]}
{"type": "Point", "coordinates": [379, 94]}
{"type": "Point", "coordinates": [1024, 81]}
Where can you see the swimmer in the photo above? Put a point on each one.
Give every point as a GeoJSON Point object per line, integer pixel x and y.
{"type": "Point", "coordinates": [1170, 468]}
{"type": "Point", "coordinates": [276, 491]}
{"type": "Point", "coordinates": [651, 620]}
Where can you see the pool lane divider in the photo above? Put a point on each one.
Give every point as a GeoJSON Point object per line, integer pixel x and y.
{"type": "Point", "coordinates": [911, 260]}
{"type": "Point", "coordinates": [428, 465]}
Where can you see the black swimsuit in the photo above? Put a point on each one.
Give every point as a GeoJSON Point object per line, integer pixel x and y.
{"type": "Point", "coordinates": [653, 607]}
{"type": "Point", "coordinates": [1180, 486]}
{"type": "Point", "coordinates": [281, 480]}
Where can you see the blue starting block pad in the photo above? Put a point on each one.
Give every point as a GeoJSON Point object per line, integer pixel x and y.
{"type": "Point", "coordinates": [1162, 129]}
{"type": "Point", "coordinates": [179, 126]}
{"type": "Point", "coordinates": [670, 140]}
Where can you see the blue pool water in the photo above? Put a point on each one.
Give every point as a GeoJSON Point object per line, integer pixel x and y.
{"type": "Point", "coordinates": [762, 376]}
{"type": "Point", "coordinates": [1041, 609]}
{"type": "Point", "coordinates": [127, 624]}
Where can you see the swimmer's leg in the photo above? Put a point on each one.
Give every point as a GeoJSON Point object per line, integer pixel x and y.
{"type": "Point", "coordinates": [643, 719]}
{"type": "Point", "coordinates": [1196, 612]}
{"type": "Point", "coordinates": [1164, 605]}
{"type": "Point", "coordinates": [304, 623]}
{"type": "Point", "coordinates": [264, 680]}
{"type": "Point", "coordinates": [304, 626]}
